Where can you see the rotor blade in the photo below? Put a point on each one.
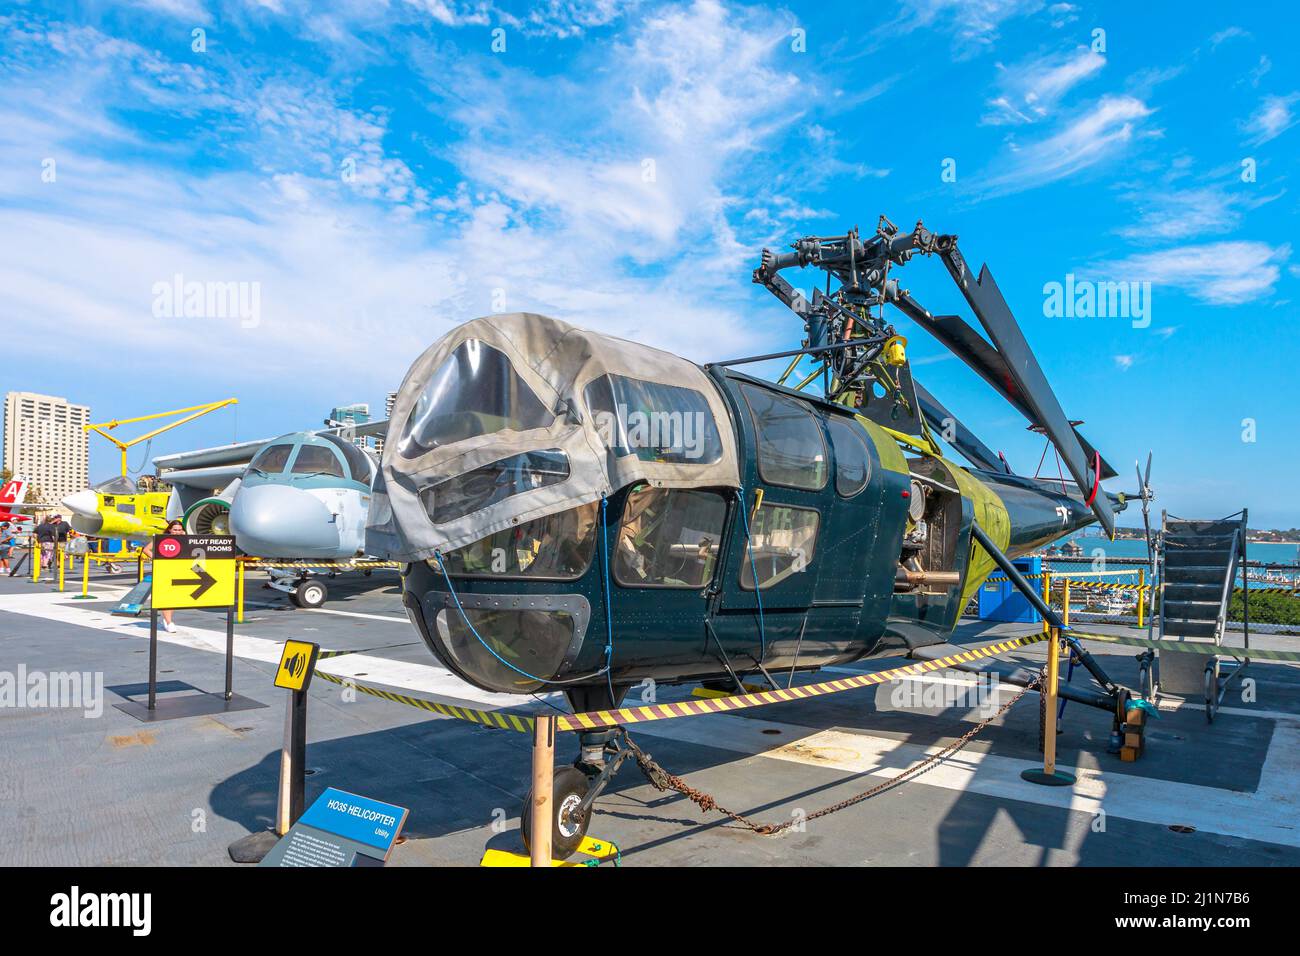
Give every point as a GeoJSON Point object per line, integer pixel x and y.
{"type": "Point", "coordinates": [991, 309]}
{"type": "Point", "coordinates": [1146, 482]}
{"type": "Point", "coordinates": [963, 439]}
{"type": "Point", "coordinates": [1146, 517]}
{"type": "Point", "coordinates": [968, 345]}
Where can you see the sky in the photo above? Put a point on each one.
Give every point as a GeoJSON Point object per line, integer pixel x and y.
{"type": "Point", "coordinates": [366, 175]}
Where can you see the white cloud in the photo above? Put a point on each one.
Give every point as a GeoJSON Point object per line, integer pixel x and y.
{"type": "Point", "coordinates": [973, 24]}
{"type": "Point", "coordinates": [1167, 214]}
{"type": "Point", "coordinates": [1029, 91]}
{"type": "Point", "coordinates": [1220, 273]}
{"type": "Point", "coordinates": [1273, 118]}
{"type": "Point", "coordinates": [1096, 135]}
{"type": "Point", "coordinates": [547, 203]}
{"type": "Point", "coordinates": [1228, 34]}
{"type": "Point", "coordinates": [1125, 362]}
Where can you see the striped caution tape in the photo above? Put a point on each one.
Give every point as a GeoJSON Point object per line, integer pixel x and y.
{"type": "Point", "coordinates": [501, 719]}
{"type": "Point", "coordinates": [1272, 590]}
{"type": "Point", "coordinates": [1193, 647]}
{"type": "Point", "coordinates": [689, 708]}
{"type": "Point", "coordinates": [256, 564]}
{"type": "Point", "coordinates": [1104, 586]}
{"type": "Point", "coordinates": [592, 720]}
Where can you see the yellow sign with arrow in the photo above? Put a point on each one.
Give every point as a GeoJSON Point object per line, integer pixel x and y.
{"type": "Point", "coordinates": [193, 571]}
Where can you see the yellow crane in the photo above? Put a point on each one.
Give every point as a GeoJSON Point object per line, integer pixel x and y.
{"type": "Point", "coordinates": [191, 413]}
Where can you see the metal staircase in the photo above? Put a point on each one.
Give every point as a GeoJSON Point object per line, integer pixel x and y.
{"type": "Point", "coordinates": [1197, 562]}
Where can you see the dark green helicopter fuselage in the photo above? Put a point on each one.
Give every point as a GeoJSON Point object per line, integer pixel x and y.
{"type": "Point", "coordinates": [842, 594]}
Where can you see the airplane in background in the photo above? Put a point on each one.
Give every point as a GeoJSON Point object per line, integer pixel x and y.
{"type": "Point", "coordinates": [302, 496]}
{"type": "Point", "coordinates": [11, 496]}
{"type": "Point", "coordinates": [117, 509]}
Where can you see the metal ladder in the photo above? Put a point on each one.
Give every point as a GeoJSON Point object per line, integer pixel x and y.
{"type": "Point", "coordinates": [1197, 562]}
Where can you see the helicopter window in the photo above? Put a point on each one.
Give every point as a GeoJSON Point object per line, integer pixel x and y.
{"type": "Point", "coordinates": [558, 546]}
{"type": "Point", "coordinates": [669, 538]}
{"type": "Point", "coordinates": [475, 392]}
{"type": "Point", "coordinates": [782, 541]}
{"type": "Point", "coordinates": [317, 460]}
{"type": "Point", "coordinates": [791, 450]}
{"type": "Point", "coordinates": [491, 483]}
{"type": "Point", "coordinates": [272, 459]}
{"type": "Point", "coordinates": [852, 459]}
{"type": "Point", "coordinates": [661, 423]}
{"type": "Point", "coordinates": [358, 462]}
{"type": "Point", "coordinates": [534, 642]}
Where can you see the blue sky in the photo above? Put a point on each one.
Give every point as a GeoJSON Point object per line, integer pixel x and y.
{"type": "Point", "coordinates": [379, 172]}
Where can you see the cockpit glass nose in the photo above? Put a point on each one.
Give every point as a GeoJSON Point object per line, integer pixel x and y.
{"type": "Point", "coordinates": [272, 459]}
{"type": "Point", "coordinates": [475, 392]}
{"type": "Point", "coordinates": [557, 547]}
{"type": "Point", "coordinates": [491, 483]}
{"type": "Point", "coordinates": [317, 460]}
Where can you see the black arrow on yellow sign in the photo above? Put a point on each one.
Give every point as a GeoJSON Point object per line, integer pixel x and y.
{"type": "Point", "coordinates": [204, 581]}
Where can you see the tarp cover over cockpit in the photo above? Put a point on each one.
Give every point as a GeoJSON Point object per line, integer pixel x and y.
{"type": "Point", "coordinates": [510, 418]}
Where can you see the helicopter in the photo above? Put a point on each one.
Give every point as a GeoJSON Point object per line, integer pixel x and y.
{"type": "Point", "coordinates": [581, 513]}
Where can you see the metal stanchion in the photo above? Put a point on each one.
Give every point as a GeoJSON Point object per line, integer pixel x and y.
{"type": "Point", "coordinates": [1065, 604]}
{"type": "Point", "coordinates": [543, 788]}
{"type": "Point", "coordinates": [60, 555]}
{"type": "Point", "coordinates": [1142, 593]}
{"type": "Point", "coordinates": [1047, 596]}
{"type": "Point", "coordinates": [85, 579]}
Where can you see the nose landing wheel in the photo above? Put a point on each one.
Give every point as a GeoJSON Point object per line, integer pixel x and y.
{"type": "Point", "coordinates": [310, 593]}
{"type": "Point", "coordinates": [568, 820]}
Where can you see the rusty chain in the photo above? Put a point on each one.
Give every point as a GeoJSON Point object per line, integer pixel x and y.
{"type": "Point", "coordinates": [661, 779]}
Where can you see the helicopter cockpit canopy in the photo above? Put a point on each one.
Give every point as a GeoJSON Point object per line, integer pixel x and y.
{"type": "Point", "coordinates": [508, 419]}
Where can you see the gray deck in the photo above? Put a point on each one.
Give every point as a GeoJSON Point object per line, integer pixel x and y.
{"type": "Point", "coordinates": [108, 789]}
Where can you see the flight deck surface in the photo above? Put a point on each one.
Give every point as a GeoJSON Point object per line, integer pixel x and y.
{"type": "Point", "coordinates": [107, 789]}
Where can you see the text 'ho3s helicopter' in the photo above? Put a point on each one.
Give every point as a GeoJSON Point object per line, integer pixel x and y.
{"type": "Point", "coordinates": [585, 514]}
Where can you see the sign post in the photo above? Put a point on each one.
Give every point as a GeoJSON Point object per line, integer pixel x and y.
{"type": "Point", "coordinates": [297, 665]}
{"type": "Point", "coordinates": [191, 571]}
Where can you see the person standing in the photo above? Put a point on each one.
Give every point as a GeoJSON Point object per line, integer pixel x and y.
{"type": "Point", "coordinates": [50, 533]}
{"type": "Point", "coordinates": [7, 544]}
{"type": "Point", "coordinates": [175, 526]}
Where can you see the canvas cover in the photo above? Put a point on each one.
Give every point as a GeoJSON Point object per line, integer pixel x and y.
{"type": "Point", "coordinates": [556, 363]}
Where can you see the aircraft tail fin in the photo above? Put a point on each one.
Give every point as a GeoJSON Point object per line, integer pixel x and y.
{"type": "Point", "coordinates": [12, 492]}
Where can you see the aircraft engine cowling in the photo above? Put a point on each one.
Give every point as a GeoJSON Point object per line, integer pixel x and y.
{"type": "Point", "coordinates": [208, 516]}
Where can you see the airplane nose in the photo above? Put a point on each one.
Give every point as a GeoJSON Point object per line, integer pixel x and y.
{"type": "Point", "coordinates": [84, 503]}
{"type": "Point", "coordinates": [277, 521]}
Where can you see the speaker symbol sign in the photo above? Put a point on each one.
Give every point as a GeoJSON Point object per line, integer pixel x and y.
{"type": "Point", "coordinates": [297, 664]}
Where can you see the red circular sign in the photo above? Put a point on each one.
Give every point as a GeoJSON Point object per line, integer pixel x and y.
{"type": "Point", "coordinates": [169, 548]}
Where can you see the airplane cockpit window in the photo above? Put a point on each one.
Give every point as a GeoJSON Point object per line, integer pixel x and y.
{"type": "Point", "coordinates": [494, 482]}
{"type": "Point", "coordinates": [557, 547]}
{"type": "Point", "coordinates": [272, 459]}
{"type": "Point", "coordinates": [475, 392]}
{"type": "Point", "coordinates": [791, 450]}
{"type": "Point", "coordinates": [660, 423]}
{"type": "Point", "coordinates": [782, 542]}
{"type": "Point", "coordinates": [317, 460]}
{"type": "Point", "coordinates": [358, 462]}
{"type": "Point", "coordinates": [669, 538]}
{"type": "Point", "coordinates": [852, 458]}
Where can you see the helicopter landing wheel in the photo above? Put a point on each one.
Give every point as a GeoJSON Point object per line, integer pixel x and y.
{"type": "Point", "coordinates": [570, 786]}
{"type": "Point", "coordinates": [1148, 687]}
{"type": "Point", "coordinates": [309, 594]}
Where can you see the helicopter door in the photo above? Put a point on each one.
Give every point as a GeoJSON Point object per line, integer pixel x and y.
{"type": "Point", "coordinates": [772, 552]}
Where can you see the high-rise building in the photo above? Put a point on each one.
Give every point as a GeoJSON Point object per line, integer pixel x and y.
{"type": "Point", "coordinates": [358, 413]}
{"type": "Point", "coordinates": [45, 441]}
{"type": "Point", "coordinates": [389, 401]}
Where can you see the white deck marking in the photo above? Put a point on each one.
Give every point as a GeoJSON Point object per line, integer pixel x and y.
{"type": "Point", "coordinates": [429, 680]}
{"type": "Point", "coordinates": [369, 617]}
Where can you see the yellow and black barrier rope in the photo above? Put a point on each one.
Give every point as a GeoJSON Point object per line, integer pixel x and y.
{"type": "Point", "coordinates": [592, 720]}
